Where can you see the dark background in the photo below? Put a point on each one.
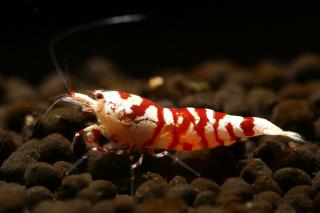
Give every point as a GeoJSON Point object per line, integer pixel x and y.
{"type": "Point", "coordinates": [169, 37]}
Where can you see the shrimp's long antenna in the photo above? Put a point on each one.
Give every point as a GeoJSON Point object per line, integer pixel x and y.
{"type": "Point", "coordinates": [99, 23]}
{"type": "Point", "coordinates": [67, 74]}
{"type": "Point", "coordinates": [60, 97]}
{"type": "Point", "coordinates": [52, 105]}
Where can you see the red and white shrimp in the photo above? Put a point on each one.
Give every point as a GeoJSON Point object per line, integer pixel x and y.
{"type": "Point", "coordinates": [136, 123]}
{"type": "Point", "coordinates": [139, 124]}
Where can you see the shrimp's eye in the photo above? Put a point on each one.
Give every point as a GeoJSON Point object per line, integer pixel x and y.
{"type": "Point", "coordinates": [99, 96]}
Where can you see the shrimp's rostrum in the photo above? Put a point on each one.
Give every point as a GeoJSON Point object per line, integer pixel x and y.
{"type": "Point", "coordinates": [140, 124]}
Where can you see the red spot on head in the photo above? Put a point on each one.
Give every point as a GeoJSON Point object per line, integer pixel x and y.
{"type": "Point", "coordinates": [187, 146]}
{"type": "Point", "coordinates": [70, 91]}
{"type": "Point", "coordinates": [247, 126]}
{"type": "Point", "coordinates": [124, 95]}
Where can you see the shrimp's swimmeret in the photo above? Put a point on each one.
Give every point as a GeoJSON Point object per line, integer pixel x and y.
{"type": "Point", "coordinates": [137, 123]}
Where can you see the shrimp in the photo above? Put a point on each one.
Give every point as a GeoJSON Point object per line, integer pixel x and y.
{"type": "Point", "coordinates": [141, 125]}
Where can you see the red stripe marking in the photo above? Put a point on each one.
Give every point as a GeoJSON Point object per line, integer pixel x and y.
{"type": "Point", "coordinates": [124, 95]}
{"type": "Point", "coordinates": [157, 129]}
{"type": "Point", "coordinates": [229, 128]}
{"type": "Point", "coordinates": [138, 110]}
{"type": "Point", "coordinates": [247, 126]}
{"type": "Point", "coordinates": [175, 136]}
{"type": "Point", "coordinates": [200, 127]}
{"type": "Point", "coordinates": [183, 127]}
{"type": "Point", "coordinates": [218, 116]}
{"type": "Point", "coordinates": [187, 146]}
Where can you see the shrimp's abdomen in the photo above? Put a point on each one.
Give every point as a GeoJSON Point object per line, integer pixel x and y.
{"type": "Point", "coordinates": [189, 129]}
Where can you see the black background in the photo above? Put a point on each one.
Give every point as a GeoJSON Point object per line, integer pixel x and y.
{"type": "Point", "coordinates": [170, 36]}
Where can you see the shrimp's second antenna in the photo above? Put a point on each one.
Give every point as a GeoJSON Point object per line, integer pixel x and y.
{"type": "Point", "coordinates": [82, 27]}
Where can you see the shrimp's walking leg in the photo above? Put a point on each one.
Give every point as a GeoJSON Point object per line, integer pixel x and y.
{"type": "Point", "coordinates": [138, 162]}
{"type": "Point", "coordinates": [86, 155]}
{"type": "Point", "coordinates": [83, 132]}
{"type": "Point", "coordinates": [79, 161]}
{"type": "Point", "coordinates": [91, 135]}
{"type": "Point", "coordinates": [176, 159]}
{"type": "Point", "coordinates": [132, 173]}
